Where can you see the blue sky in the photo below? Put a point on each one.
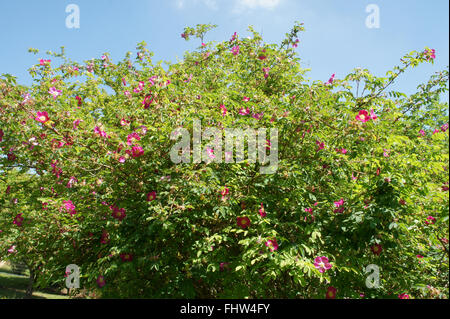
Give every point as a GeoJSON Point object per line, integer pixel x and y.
{"type": "Point", "coordinates": [336, 38]}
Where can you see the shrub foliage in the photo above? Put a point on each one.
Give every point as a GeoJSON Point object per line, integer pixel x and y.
{"type": "Point", "coordinates": [87, 179]}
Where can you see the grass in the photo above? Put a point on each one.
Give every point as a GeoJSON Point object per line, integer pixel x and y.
{"type": "Point", "coordinates": [13, 286]}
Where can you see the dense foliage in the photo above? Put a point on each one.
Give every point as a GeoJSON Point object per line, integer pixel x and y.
{"type": "Point", "coordinates": [87, 179]}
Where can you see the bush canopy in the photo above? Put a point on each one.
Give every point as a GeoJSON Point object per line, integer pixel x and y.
{"type": "Point", "coordinates": [359, 189]}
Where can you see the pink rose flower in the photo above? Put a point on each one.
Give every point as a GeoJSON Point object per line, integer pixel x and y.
{"type": "Point", "coordinates": [322, 264]}
{"type": "Point", "coordinates": [272, 244]}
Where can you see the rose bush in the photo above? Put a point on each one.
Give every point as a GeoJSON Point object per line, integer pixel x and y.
{"type": "Point", "coordinates": [87, 179]}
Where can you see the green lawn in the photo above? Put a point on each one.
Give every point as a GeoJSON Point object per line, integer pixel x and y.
{"type": "Point", "coordinates": [13, 286]}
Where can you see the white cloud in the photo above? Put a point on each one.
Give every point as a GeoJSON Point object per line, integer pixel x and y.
{"type": "Point", "coordinates": [211, 4]}
{"type": "Point", "coordinates": [179, 4]}
{"type": "Point", "coordinates": [238, 6]}
{"type": "Point", "coordinates": [242, 5]}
